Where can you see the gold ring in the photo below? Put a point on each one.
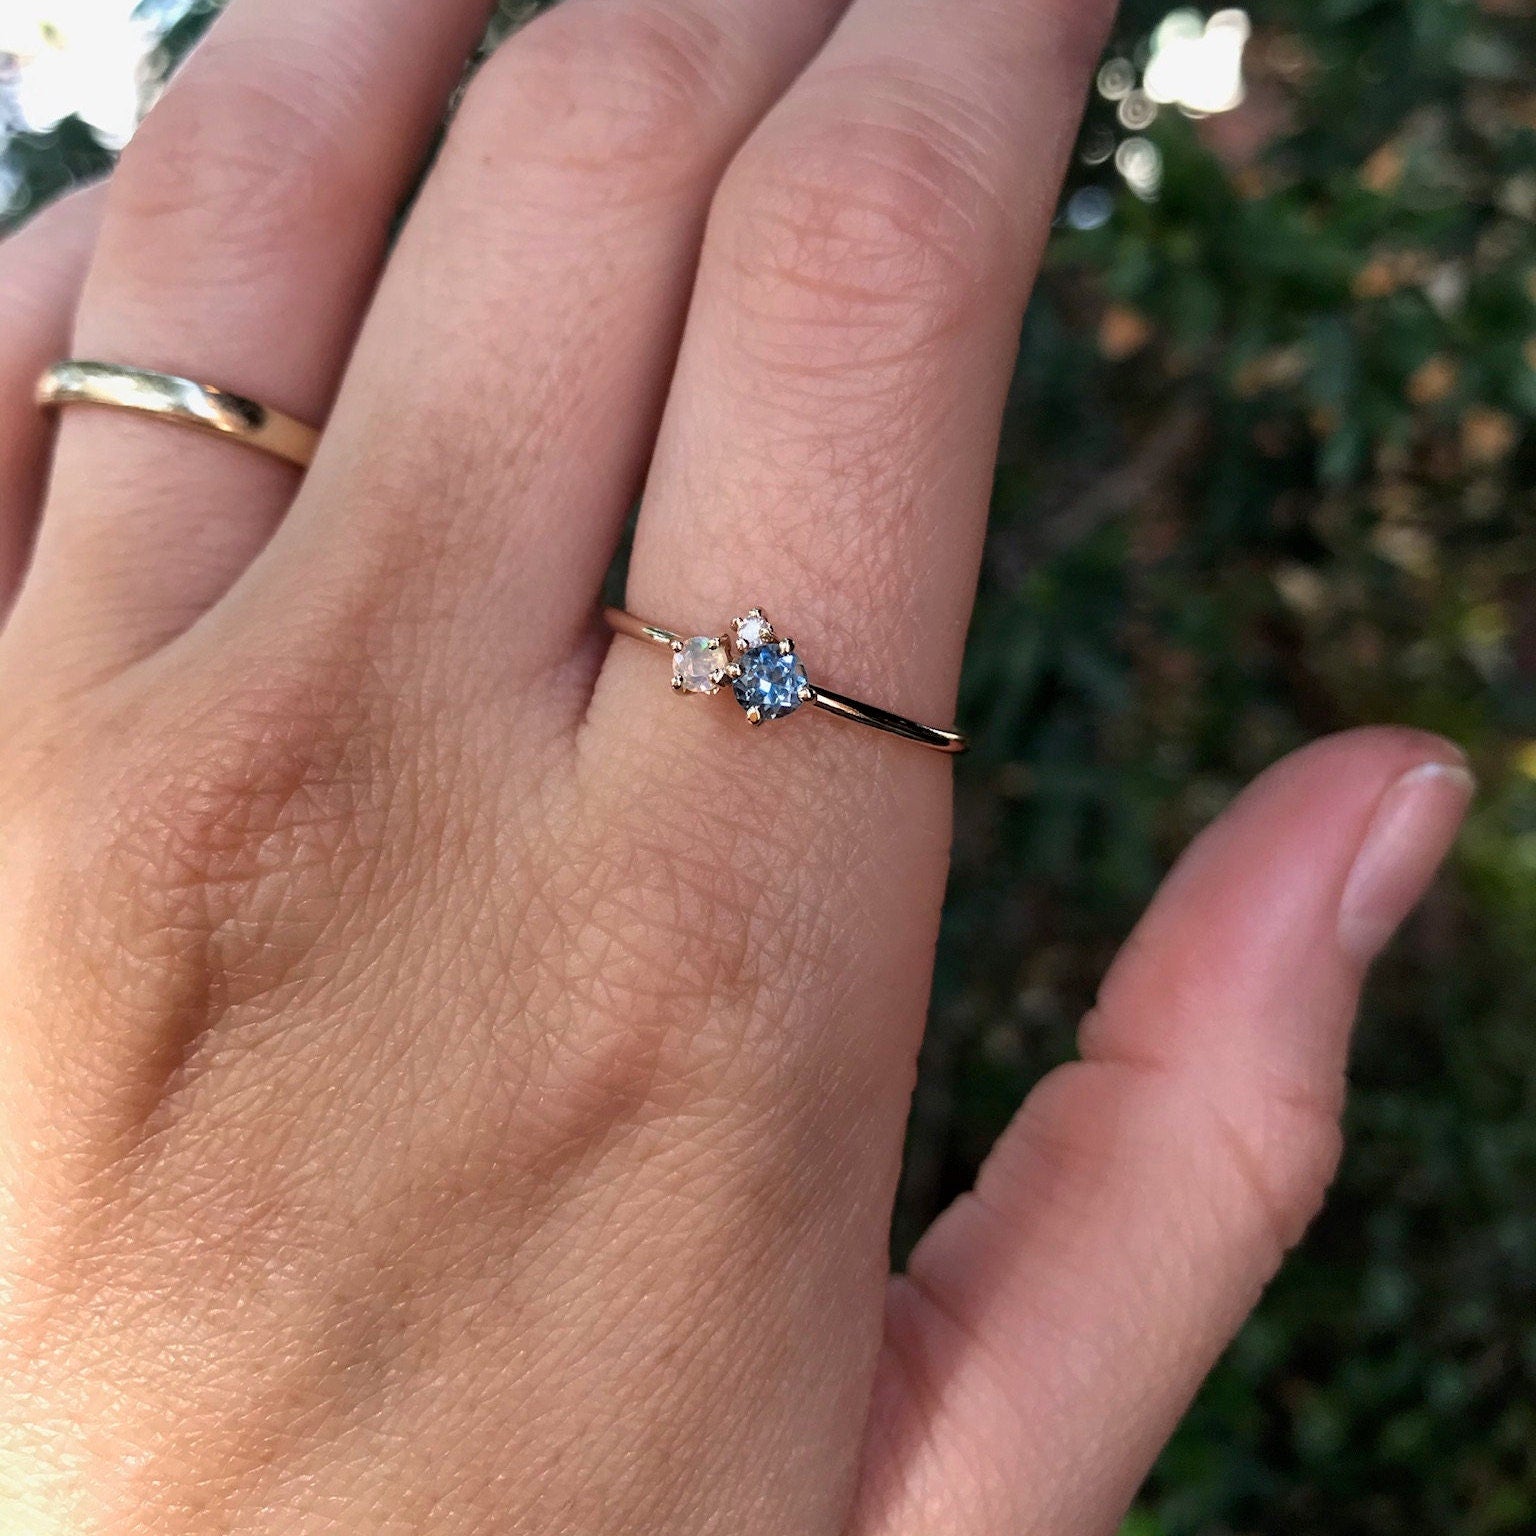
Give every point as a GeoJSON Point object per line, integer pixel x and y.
{"type": "Point", "coordinates": [182, 401]}
{"type": "Point", "coordinates": [766, 676]}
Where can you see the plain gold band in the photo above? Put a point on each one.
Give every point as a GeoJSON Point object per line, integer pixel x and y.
{"type": "Point", "coordinates": [184, 402]}
{"type": "Point", "coordinates": [844, 708]}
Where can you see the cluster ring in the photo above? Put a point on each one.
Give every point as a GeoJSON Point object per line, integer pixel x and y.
{"type": "Point", "coordinates": [766, 676]}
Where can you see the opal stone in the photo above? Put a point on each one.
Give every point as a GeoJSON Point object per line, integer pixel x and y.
{"type": "Point", "coordinates": [692, 665]}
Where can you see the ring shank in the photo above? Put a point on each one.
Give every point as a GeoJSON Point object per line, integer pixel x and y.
{"type": "Point", "coordinates": [184, 402]}
{"type": "Point", "coordinates": [884, 720]}
{"type": "Point", "coordinates": [822, 698]}
{"type": "Point", "coordinates": [622, 623]}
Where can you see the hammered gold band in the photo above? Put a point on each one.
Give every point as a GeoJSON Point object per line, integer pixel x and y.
{"type": "Point", "coordinates": [766, 676]}
{"type": "Point", "coordinates": [183, 402]}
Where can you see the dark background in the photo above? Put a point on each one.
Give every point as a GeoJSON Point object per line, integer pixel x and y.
{"type": "Point", "coordinates": [1267, 473]}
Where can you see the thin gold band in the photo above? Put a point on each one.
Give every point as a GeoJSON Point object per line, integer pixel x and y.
{"type": "Point", "coordinates": [184, 402]}
{"type": "Point", "coordinates": [809, 693]}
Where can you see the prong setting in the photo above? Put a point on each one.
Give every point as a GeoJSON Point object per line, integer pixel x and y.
{"type": "Point", "coordinates": [696, 664]}
{"type": "Point", "coordinates": [760, 668]}
{"type": "Point", "coordinates": [767, 678]}
{"type": "Point", "coordinates": [751, 630]}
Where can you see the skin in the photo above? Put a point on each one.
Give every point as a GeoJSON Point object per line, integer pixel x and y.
{"type": "Point", "coordinates": [446, 1083]}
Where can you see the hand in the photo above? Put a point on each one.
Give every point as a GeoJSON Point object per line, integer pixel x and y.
{"type": "Point", "coordinates": [446, 1083]}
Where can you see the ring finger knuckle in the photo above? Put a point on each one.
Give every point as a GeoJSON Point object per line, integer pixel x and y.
{"type": "Point", "coordinates": [880, 215]}
{"type": "Point", "coordinates": [212, 859]}
{"type": "Point", "coordinates": [624, 92]}
{"type": "Point", "coordinates": [238, 157]}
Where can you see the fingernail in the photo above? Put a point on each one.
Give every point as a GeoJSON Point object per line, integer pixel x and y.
{"type": "Point", "coordinates": [1412, 830]}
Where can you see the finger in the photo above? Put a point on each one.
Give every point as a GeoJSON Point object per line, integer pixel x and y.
{"type": "Point", "coordinates": [1054, 1324]}
{"type": "Point", "coordinates": [829, 447]}
{"type": "Point", "coordinates": [528, 323]}
{"type": "Point", "coordinates": [41, 270]}
{"type": "Point", "coordinates": [241, 239]}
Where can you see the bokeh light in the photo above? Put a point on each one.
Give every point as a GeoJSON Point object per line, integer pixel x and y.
{"type": "Point", "coordinates": [1141, 163]}
{"type": "Point", "coordinates": [1191, 62]}
{"type": "Point", "coordinates": [1197, 64]}
{"type": "Point", "coordinates": [80, 58]}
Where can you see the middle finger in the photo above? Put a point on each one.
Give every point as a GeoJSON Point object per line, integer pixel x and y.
{"type": "Point", "coordinates": [527, 324]}
{"type": "Point", "coordinates": [242, 234]}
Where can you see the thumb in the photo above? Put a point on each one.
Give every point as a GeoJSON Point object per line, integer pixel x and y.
{"type": "Point", "coordinates": [1055, 1323]}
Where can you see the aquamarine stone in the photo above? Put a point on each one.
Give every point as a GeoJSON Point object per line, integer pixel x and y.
{"type": "Point", "coordinates": [770, 682]}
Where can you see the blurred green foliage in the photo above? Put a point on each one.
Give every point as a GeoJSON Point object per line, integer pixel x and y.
{"type": "Point", "coordinates": [1267, 473]}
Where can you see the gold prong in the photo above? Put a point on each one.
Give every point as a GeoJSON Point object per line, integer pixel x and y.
{"type": "Point", "coordinates": [807, 693]}
{"type": "Point", "coordinates": [785, 647]}
{"type": "Point", "coordinates": [755, 715]}
{"type": "Point", "coordinates": [677, 685]}
{"type": "Point", "coordinates": [751, 616]}
{"type": "Point", "coordinates": [733, 671]}
{"type": "Point", "coordinates": [677, 646]}
{"type": "Point", "coordinates": [717, 676]}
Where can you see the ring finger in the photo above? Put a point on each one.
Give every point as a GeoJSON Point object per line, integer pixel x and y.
{"type": "Point", "coordinates": [833, 425]}
{"type": "Point", "coordinates": [241, 239]}
{"type": "Point", "coordinates": [827, 453]}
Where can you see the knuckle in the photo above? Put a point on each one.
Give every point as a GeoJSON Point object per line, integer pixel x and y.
{"type": "Point", "coordinates": [217, 864]}
{"type": "Point", "coordinates": [679, 966]}
{"type": "Point", "coordinates": [883, 220]}
{"type": "Point", "coordinates": [1283, 1157]}
{"type": "Point", "coordinates": [643, 940]}
{"type": "Point", "coordinates": [242, 152]}
{"type": "Point", "coordinates": [1259, 1161]}
{"type": "Point", "coordinates": [629, 92]}
{"type": "Point", "coordinates": [180, 874]}
{"type": "Point", "coordinates": [271, 785]}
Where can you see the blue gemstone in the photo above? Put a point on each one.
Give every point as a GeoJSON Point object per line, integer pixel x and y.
{"type": "Point", "coordinates": [770, 682]}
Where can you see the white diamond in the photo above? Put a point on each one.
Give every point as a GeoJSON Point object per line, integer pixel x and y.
{"type": "Point", "coordinates": [692, 665]}
{"type": "Point", "coordinates": [753, 630]}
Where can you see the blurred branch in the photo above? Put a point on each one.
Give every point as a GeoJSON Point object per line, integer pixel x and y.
{"type": "Point", "coordinates": [1162, 450]}
{"type": "Point", "coordinates": [1065, 516]}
